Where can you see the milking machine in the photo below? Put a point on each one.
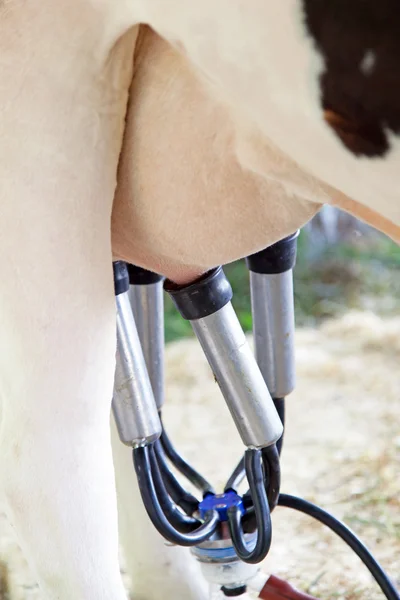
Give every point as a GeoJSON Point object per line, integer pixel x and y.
{"type": "Point", "coordinates": [229, 533]}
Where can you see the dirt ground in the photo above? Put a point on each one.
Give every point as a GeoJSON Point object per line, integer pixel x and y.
{"type": "Point", "coordinates": [342, 451]}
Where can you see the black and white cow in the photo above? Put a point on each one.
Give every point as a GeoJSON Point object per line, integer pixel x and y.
{"type": "Point", "coordinates": [177, 135]}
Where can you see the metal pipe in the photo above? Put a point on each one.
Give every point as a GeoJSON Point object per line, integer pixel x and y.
{"type": "Point", "coordinates": [273, 328]}
{"type": "Point", "coordinates": [133, 404]}
{"type": "Point", "coordinates": [271, 284]}
{"type": "Point", "coordinates": [206, 303]}
{"type": "Point", "coordinates": [147, 300]}
{"type": "Point", "coordinates": [239, 377]}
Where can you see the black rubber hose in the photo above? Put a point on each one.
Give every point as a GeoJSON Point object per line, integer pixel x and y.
{"type": "Point", "coordinates": [347, 536]}
{"type": "Point", "coordinates": [280, 408]}
{"type": "Point", "coordinates": [272, 474]}
{"type": "Point", "coordinates": [237, 477]}
{"type": "Point", "coordinates": [255, 476]}
{"type": "Point", "coordinates": [183, 467]}
{"type": "Point", "coordinates": [271, 464]}
{"type": "Point", "coordinates": [181, 522]}
{"type": "Point", "coordinates": [141, 461]}
{"type": "Point", "coordinates": [272, 482]}
{"type": "Point", "coordinates": [186, 501]}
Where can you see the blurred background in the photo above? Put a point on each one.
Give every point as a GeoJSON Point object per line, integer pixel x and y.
{"type": "Point", "coordinates": [342, 264]}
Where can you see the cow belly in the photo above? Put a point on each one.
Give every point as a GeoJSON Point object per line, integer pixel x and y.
{"type": "Point", "coordinates": [184, 201]}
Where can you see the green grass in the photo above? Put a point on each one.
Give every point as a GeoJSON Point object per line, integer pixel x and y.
{"type": "Point", "coordinates": [364, 274]}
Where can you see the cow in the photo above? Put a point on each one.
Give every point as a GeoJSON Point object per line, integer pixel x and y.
{"type": "Point", "coordinates": [176, 136]}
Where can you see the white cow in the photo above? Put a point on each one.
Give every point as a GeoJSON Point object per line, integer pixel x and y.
{"type": "Point", "coordinates": [225, 131]}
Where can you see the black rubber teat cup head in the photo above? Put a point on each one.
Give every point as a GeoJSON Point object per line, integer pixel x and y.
{"type": "Point", "coordinates": [121, 277]}
{"type": "Point", "coordinates": [203, 297]}
{"type": "Point", "coordinates": [234, 592]}
{"type": "Point", "coordinates": [278, 258]}
{"type": "Point", "coordinates": [140, 276]}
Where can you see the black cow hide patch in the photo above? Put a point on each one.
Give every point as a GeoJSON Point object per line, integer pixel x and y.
{"type": "Point", "coordinates": [360, 87]}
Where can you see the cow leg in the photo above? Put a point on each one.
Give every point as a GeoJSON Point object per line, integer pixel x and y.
{"type": "Point", "coordinates": [157, 570]}
{"type": "Point", "coordinates": [63, 100]}
{"type": "Point", "coordinates": [57, 355]}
